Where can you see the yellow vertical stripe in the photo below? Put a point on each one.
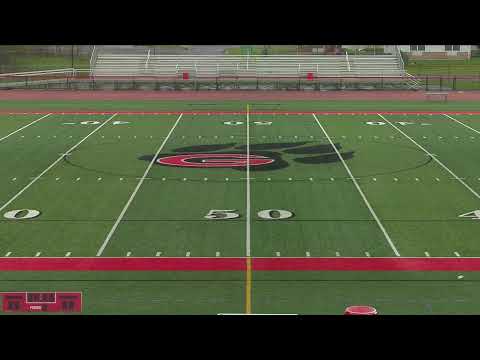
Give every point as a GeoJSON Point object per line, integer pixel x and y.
{"type": "Point", "coordinates": [248, 287]}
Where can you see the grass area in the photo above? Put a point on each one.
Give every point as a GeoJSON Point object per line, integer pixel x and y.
{"type": "Point", "coordinates": [35, 62]}
{"type": "Point", "coordinates": [142, 293]}
{"type": "Point", "coordinates": [420, 293]}
{"type": "Point", "coordinates": [318, 210]}
{"type": "Point", "coordinates": [42, 62]}
{"type": "Point", "coordinates": [444, 67]}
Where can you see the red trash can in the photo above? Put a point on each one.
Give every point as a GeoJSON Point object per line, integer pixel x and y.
{"type": "Point", "coordinates": [360, 310]}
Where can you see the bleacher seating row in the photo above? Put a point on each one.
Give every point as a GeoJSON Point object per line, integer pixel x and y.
{"type": "Point", "coordinates": [211, 66]}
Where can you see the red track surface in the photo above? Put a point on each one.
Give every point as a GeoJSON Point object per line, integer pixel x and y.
{"type": "Point", "coordinates": [240, 112]}
{"type": "Point", "coordinates": [228, 95]}
{"type": "Point", "coordinates": [239, 264]}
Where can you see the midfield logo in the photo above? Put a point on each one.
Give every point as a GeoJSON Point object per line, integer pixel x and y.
{"type": "Point", "coordinates": [269, 156]}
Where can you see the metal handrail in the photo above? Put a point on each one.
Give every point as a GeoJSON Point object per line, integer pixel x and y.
{"type": "Point", "coordinates": [348, 61]}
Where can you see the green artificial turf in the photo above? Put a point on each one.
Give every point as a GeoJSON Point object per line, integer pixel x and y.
{"type": "Point", "coordinates": [80, 198]}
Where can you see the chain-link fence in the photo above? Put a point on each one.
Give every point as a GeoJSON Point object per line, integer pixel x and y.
{"type": "Point", "coordinates": [20, 58]}
{"type": "Point", "coordinates": [82, 80]}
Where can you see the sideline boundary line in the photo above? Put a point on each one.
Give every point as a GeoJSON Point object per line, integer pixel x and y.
{"type": "Point", "coordinates": [55, 163]}
{"type": "Point", "coordinates": [24, 127]}
{"type": "Point", "coordinates": [134, 193]}
{"type": "Point", "coordinates": [365, 200]}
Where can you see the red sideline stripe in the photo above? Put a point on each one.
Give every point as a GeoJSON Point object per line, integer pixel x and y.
{"type": "Point", "coordinates": [122, 264]}
{"type": "Point", "coordinates": [239, 264]}
{"type": "Point", "coordinates": [366, 264]}
{"type": "Point", "coordinates": [202, 112]}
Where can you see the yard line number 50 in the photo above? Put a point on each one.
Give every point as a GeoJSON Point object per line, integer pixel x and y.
{"type": "Point", "coordinates": [270, 214]}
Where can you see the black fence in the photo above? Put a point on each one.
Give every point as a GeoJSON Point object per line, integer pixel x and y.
{"type": "Point", "coordinates": [73, 80]}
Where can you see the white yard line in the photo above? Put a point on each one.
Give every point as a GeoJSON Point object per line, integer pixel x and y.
{"type": "Point", "coordinates": [433, 157]}
{"type": "Point", "coordinates": [365, 200]}
{"type": "Point", "coordinates": [247, 237]}
{"type": "Point", "coordinates": [134, 193]}
{"type": "Point", "coordinates": [54, 163]}
{"type": "Point", "coordinates": [461, 123]}
{"type": "Point", "coordinates": [24, 127]}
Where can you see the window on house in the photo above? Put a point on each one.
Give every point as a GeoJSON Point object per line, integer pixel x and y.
{"type": "Point", "coordinates": [452, 47]}
{"type": "Point", "coordinates": [417, 47]}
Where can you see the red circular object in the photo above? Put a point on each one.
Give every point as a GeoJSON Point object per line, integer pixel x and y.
{"type": "Point", "coordinates": [360, 310]}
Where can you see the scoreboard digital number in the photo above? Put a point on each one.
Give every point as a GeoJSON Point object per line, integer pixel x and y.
{"type": "Point", "coordinates": [57, 302]}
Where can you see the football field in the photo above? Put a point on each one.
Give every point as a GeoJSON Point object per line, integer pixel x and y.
{"type": "Point", "coordinates": [243, 184]}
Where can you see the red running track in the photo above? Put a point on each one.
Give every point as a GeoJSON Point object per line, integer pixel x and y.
{"type": "Point", "coordinates": [382, 95]}
{"type": "Point", "coordinates": [239, 264]}
{"type": "Point", "coordinates": [283, 112]}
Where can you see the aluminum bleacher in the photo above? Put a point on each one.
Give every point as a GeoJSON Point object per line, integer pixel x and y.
{"type": "Point", "coordinates": [145, 64]}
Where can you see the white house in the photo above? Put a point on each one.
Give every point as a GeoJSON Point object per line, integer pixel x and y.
{"type": "Point", "coordinates": [433, 51]}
